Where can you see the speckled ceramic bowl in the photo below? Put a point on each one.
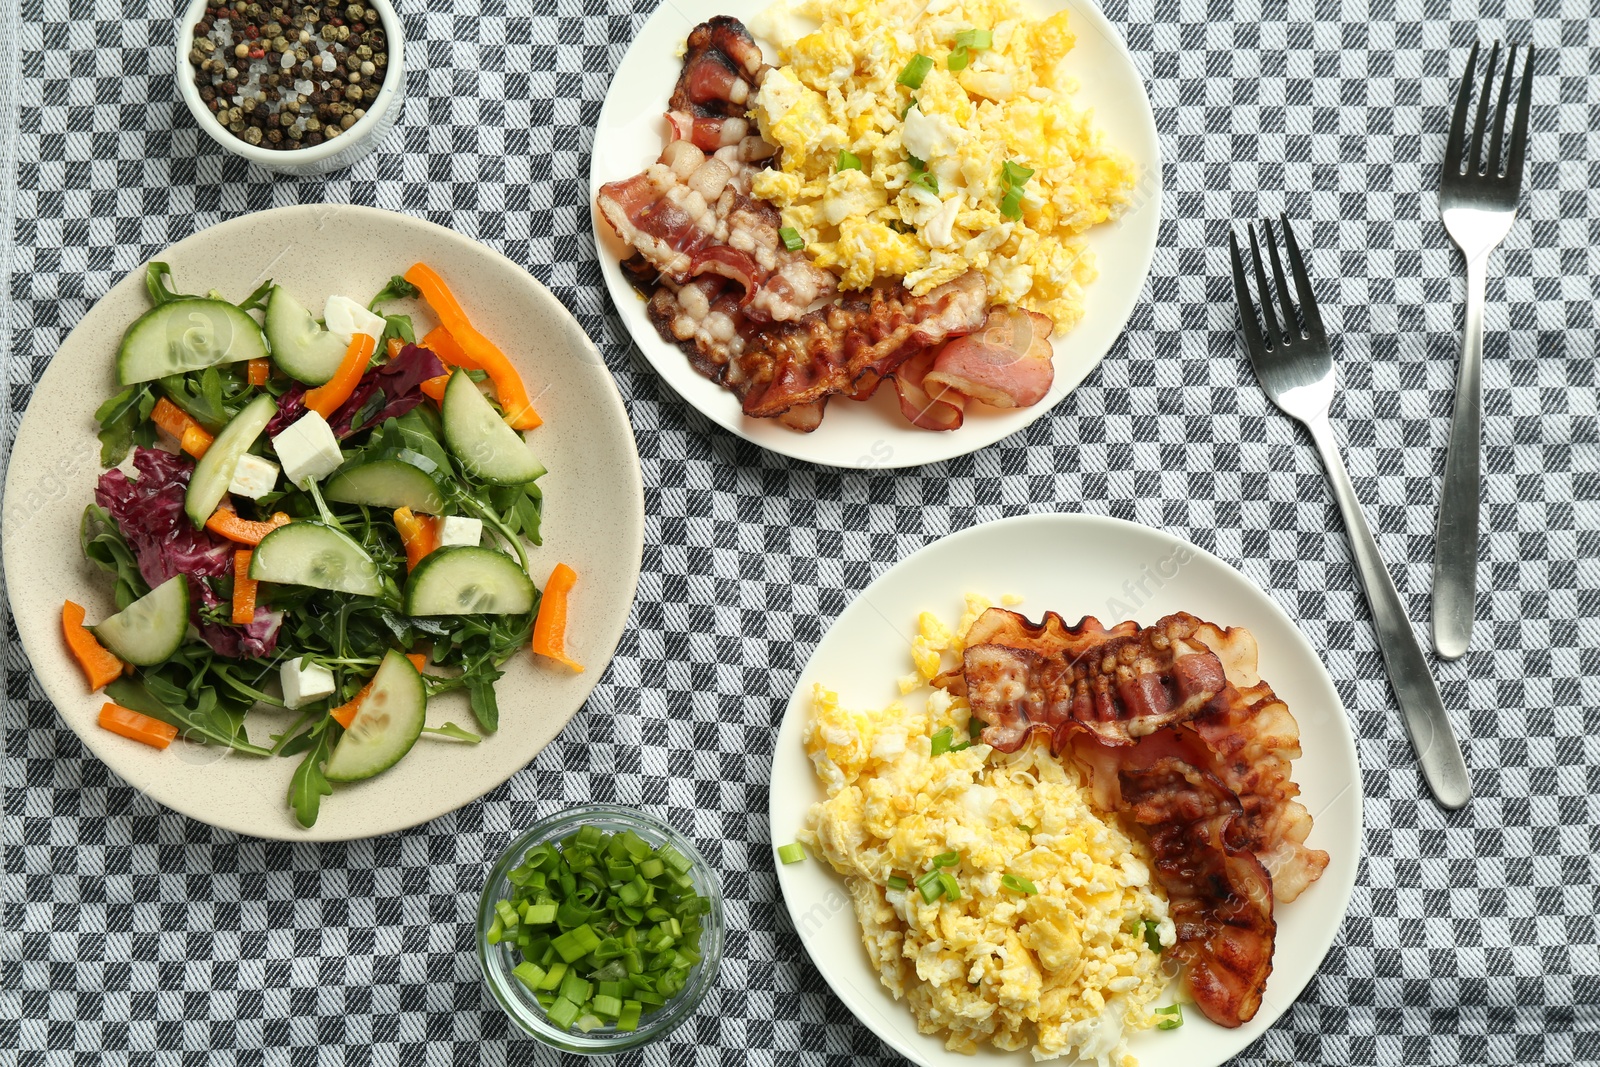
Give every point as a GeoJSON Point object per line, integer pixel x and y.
{"type": "Point", "coordinates": [339, 152]}
{"type": "Point", "coordinates": [593, 515]}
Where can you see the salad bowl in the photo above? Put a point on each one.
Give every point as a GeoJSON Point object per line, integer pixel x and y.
{"type": "Point", "coordinates": [593, 518]}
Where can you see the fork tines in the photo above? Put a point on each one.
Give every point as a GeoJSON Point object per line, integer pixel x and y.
{"type": "Point", "coordinates": [1279, 331]}
{"type": "Point", "coordinates": [1464, 163]}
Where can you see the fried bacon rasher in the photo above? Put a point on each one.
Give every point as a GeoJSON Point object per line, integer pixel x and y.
{"type": "Point", "coordinates": [1182, 697]}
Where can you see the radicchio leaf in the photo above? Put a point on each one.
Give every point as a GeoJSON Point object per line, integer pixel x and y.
{"type": "Point", "coordinates": [384, 392]}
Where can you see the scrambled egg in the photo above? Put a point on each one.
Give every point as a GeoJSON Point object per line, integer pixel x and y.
{"type": "Point", "coordinates": [1065, 969]}
{"type": "Point", "coordinates": [929, 200]}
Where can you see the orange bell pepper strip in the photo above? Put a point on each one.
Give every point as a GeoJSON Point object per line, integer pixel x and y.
{"type": "Point", "coordinates": [345, 713]}
{"type": "Point", "coordinates": [508, 384]}
{"type": "Point", "coordinates": [137, 727]}
{"type": "Point", "coordinates": [434, 387]}
{"type": "Point", "coordinates": [226, 522]}
{"type": "Point", "coordinates": [326, 398]}
{"type": "Point", "coordinates": [550, 627]}
{"type": "Point", "coordinates": [100, 667]}
{"type": "Point", "coordinates": [418, 533]}
{"type": "Point", "coordinates": [190, 435]}
{"type": "Point", "coordinates": [395, 347]}
{"type": "Point", "coordinates": [448, 349]}
{"type": "Point", "coordinates": [244, 589]}
{"type": "Point", "coordinates": [257, 371]}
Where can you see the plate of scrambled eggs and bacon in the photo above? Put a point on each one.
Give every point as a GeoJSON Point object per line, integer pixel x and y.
{"type": "Point", "coordinates": [1009, 836]}
{"type": "Point", "coordinates": [875, 234]}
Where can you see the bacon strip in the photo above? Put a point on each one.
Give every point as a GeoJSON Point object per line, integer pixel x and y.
{"type": "Point", "coordinates": [1007, 364]}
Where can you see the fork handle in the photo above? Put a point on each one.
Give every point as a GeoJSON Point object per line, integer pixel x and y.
{"type": "Point", "coordinates": [1455, 551]}
{"type": "Point", "coordinates": [1427, 723]}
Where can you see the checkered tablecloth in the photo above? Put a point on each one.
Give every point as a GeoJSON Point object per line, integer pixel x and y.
{"type": "Point", "coordinates": [132, 932]}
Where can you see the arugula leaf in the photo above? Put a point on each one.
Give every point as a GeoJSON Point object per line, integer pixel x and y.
{"type": "Point", "coordinates": [156, 275]}
{"type": "Point", "coordinates": [104, 546]}
{"type": "Point", "coordinates": [211, 397]}
{"type": "Point", "coordinates": [124, 422]}
{"type": "Point", "coordinates": [450, 729]}
{"type": "Point", "coordinates": [397, 289]}
{"type": "Point", "coordinates": [480, 694]}
{"type": "Point", "coordinates": [396, 326]}
{"type": "Point", "coordinates": [416, 430]}
{"type": "Point", "coordinates": [309, 785]}
{"type": "Point", "coordinates": [208, 720]}
{"type": "Point", "coordinates": [257, 300]}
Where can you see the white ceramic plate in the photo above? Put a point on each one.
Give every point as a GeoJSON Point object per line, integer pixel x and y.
{"type": "Point", "coordinates": [1075, 565]}
{"type": "Point", "coordinates": [874, 434]}
{"type": "Point", "coordinates": [593, 515]}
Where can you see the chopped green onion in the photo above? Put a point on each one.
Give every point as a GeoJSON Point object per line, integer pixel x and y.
{"type": "Point", "coordinates": [951, 887]}
{"type": "Point", "coordinates": [1174, 1013]}
{"type": "Point", "coordinates": [908, 108]}
{"type": "Point", "coordinates": [793, 852]}
{"type": "Point", "coordinates": [942, 738]}
{"type": "Point", "coordinates": [1018, 884]}
{"type": "Point", "coordinates": [975, 727]}
{"type": "Point", "coordinates": [1152, 936]}
{"type": "Point", "coordinates": [977, 40]}
{"type": "Point", "coordinates": [586, 913]}
{"type": "Point", "coordinates": [848, 161]}
{"type": "Point", "coordinates": [1015, 174]}
{"type": "Point", "coordinates": [958, 59]}
{"type": "Point", "coordinates": [931, 183]}
{"type": "Point", "coordinates": [916, 70]}
{"type": "Point", "coordinates": [791, 238]}
{"type": "Point", "coordinates": [897, 882]}
{"type": "Point", "coordinates": [1025, 828]}
{"type": "Point", "coordinates": [947, 859]}
{"type": "Point", "coordinates": [916, 164]}
{"type": "Point", "coordinates": [1011, 203]}
{"type": "Point", "coordinates": [928, 885]}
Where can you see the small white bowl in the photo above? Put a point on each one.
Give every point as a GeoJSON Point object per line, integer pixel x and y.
{"type": "Point", "coordinates": [333, 154]}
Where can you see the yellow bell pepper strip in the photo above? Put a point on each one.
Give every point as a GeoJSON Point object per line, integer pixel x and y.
{"type": "Point", "coordinates": [345, 713]}
{"type": "Point", "coordinates": [244, 589]}
{"type": "Point", "coordinates": [448, 349]}
{"type": "Point", "coordinates": [418, 533]}
{"type": "Point", "coordinates": [507, 382]}
{"type": "Point", "coordinates": [137, 727]}
{"type": "Point", "coordinates": [190, 435]}
{"type": "Point", "coordinates": [257, 371]}
{"type": "Point", "coordinates": [100, 667]}
{"type": "Point", "coordinates": [326, 398]}
{"type": "Point", "coordinates": [550, 627]}
{"type": "Point", "coordinates": [225, 522]}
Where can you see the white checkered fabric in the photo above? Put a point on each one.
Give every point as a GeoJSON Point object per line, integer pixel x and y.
{"type": "Point", "coordinates": [137, 936]}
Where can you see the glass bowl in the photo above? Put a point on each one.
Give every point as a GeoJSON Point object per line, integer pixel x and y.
{"type": "Point", "coordinates": [498, 960]}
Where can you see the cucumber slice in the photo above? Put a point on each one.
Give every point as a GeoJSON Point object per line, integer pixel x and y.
{"type": "Point", "coordinates": [386, 725]}
{"type": "Point", "coordinates": [301, 348]}
{"type": "Point", "coordinates": [311, 554]}
{"type": "Point", "coordinates": [386, 483]}
{"type": "Point", "coordinates": [149, 630]}
{"type": "Point", "coordinates": [467, 581]}
{"type": "Point", "coordinates": [480, 438]}
{"type": "Point", "coordinates": [213, 473]}
{"type": "Point", "coordinates": [184, 335]}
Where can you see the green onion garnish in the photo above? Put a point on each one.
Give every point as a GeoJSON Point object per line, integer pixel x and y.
{"type": "Point", "coordinates": [848, 161]}
{"type": "Point", "coordinates": [977, 40]}
{"type": "Point", "coordinates": [606, 927]}
{"type": "Point", "coordinates": [941, 741]}
{"type": "Point", "coordinates": [958, 59]}
{"type": "Point", "coordinates": [793, 852]}
{"type": "Point", "coordinates": [1152, 936]}
{"type": "Point", "coordinates": [791, 238]}
{"type": "Point", "coordinates": [1015, 174]}
{"type": "Point", "coordinates": [1024, 827]}
{"type": "Point", "coordinates": [908, 108]}
{"type": "Point", "coordinates": [1011, 203]}
{"type": "Point", "coordinates": [916, 70]}
{"type": "Point", "coordinates": [916, 164]}
{"type": "Point", "coordinates": [928, 885]}
{"type": "Point", "coordinates": [1018, 884]}
{"type": "Point", "coordinates": [947, 859]}
{"type": "Point", "coordinates": [928, 181]}
{"type": "Point", "coordinates": [952, 888]}
{"type": "Point", "coordinates": [896, 882]}
{"type": "Point", "coordinates": [1174, 1013]}
{"type": "Point", "coordinates": [975, 727]}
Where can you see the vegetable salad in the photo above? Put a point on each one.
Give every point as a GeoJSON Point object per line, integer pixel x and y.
{"type": "Point", "coordinates": [323, 515]}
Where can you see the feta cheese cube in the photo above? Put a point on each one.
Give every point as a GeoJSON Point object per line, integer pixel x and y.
{"type": "Point", "coordinates": [304, 682]}
{"type": "Point", "coordinates": [254, 477]}
{"type": "Point", "coordinates": [459, 530]}
{"type": "Point", "coordinates": [308, 449]}
{"type": "Point", "coordinates": [345, 318]}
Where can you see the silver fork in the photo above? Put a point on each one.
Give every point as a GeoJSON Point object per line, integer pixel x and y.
{"type": "Point", "coordinates": [1294, 365]}
{"type": "Point", "coordinates": [1478, 204]}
